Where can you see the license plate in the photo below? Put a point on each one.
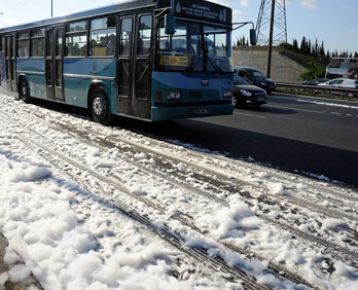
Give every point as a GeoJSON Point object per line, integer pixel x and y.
{"type": "Point", "coordinates": [260, 99]}
{"type": "Point", "coordinates": [201, 111]}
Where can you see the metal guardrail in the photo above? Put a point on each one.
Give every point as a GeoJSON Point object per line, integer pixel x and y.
{"type": "Point", "coordinates": [322, 91]}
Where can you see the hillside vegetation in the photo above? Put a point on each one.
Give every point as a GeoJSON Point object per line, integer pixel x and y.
{"type": "Point", "coordinates": [311, 55]}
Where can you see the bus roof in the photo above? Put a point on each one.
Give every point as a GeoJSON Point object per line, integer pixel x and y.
{"type": "Point", "coordinates": [122, 5]}
{"type": "Point", "coordinates": [197, 7]}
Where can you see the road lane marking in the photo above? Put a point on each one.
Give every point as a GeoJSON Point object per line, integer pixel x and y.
{"type": "Point", "coordinates": [313, 111]}
{"type": "Point", "coordinates": [304, 110]}
{"type": "Point", "coordinates": [328, 104]}
{"type": "Point", "coordinates": [250, 115]}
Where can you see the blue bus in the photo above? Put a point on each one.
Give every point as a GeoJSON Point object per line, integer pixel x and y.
{"type": "Point", "coordinates": [152, 60]}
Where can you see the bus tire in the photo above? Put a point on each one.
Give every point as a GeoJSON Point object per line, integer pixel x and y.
{"type": "Point", "coordinates": [99, 106]}
{"type": "Point", "coordinates": [24, 93]}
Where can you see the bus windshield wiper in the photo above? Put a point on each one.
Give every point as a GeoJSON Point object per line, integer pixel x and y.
{"type": "Point", "coordinates": [216, 67]}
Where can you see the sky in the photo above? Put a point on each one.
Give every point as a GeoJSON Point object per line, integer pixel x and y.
{"type": "Point", "coordinates": [331, 21]}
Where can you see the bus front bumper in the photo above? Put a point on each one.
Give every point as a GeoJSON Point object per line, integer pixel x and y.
{"type": "Point", "coordinates": [163, 113]}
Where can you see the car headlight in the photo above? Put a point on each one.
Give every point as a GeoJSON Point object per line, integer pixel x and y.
{"type": "Point", "coordinates": [245, 93]}
{"type": "Point", "coordinates": [173, 95]}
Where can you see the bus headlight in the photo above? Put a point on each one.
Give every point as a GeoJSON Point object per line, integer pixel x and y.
{"type": "Point", "coordinates": [173, 95]}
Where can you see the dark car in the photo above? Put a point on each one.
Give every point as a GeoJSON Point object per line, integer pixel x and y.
{"type": "Point", "coordinates": [244, 93]}
{"type": "Point", "coordinates": [255, 77]}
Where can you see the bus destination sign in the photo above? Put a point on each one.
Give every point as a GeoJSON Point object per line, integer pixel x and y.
{"type": "Point", "coordinates": [203, 10]}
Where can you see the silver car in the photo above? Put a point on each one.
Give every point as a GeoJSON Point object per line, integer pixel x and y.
{"type": "Point", "coordinates": [341, 83]}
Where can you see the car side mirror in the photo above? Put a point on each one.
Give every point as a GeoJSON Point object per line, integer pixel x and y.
{"type": "Point", "coordinates": [253, 40]}
{"type": "Point", "coordinates": [169, 23]}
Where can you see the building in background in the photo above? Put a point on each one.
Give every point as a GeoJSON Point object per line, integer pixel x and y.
{"type": "Point", "coordinates": [345, 67]}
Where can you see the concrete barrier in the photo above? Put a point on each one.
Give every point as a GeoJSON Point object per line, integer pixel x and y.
{"type": "Point", "coordinates": [321, 91]}
{"type": "Point", "coordinates": [283, 69]}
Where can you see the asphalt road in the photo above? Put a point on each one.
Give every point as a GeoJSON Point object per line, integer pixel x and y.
{"type": "Point", "coordinates": [296, 134]}
{"type": "Point", "coordinates": [305, 135]}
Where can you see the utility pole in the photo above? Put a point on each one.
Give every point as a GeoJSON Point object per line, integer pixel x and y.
{"type": "Point", "coordinates": [270, 38]}
{"type": "Point", "coordinates": [51, 8]}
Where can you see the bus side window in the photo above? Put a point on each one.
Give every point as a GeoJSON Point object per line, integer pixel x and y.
{"type": "Point", "coordinates": [102, 37]}
{"type": "Point", "coordinates": [76, 39]}
{"type": "Point", "coordinates": [145, 33]}
{"type": "Point", "coordinates": [38, 42]}
{"type": "Point", "coordinates": [23, 45]}
{"type": "Point", "coordinates": [125, 36]}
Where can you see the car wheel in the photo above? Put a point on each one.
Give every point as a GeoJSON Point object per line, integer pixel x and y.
{"type": "Point", "coordinates": [99, 107]}
{"type": "Point", "coordinates": [24, 90]}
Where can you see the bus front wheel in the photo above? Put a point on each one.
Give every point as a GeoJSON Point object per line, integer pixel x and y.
{"type": "Point", "coordinates": [99, 107]}
{"type": "Point", "coordinates": [24, 90]}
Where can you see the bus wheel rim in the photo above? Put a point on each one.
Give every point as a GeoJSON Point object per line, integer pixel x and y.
{"type": "Point", "coordinates": [99, 105]}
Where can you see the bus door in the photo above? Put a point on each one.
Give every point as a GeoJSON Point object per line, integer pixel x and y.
{"type": "Point", "coordinates": [10, 62]}
{"type": "Point", "coordinates": [134, 65]}
{"type": "Point", "coordinates": [54, 63]}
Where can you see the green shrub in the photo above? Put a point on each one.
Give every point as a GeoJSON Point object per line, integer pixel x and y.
{"type": "Point", "coordinates": [313, 71]}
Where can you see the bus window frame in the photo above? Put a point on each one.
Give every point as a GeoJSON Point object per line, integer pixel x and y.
{"type": "Point", "coordinates": [63, 44]}
{"type": "Point", "coordinates": [120, 17]}
{"type": "Point", "coordinates": [149, 54]}
{"type": "Point", "coordinates": [19, 38]}
{"type": "Point", "coordinates": [142, 57]}
{"type": "Point", "coordinates": [43, 37]}
{"type": "Point", "coordinates": [115, 27]}
{"type": "Point", "coordinates": [66, 33]}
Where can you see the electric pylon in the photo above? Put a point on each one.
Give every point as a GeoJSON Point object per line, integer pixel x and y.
{"type": "Point", "coordinates": [263, 22]}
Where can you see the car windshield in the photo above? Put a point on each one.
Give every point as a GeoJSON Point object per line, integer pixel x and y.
{"type": "Point", "coordinates": [239, 81]}
{"type": "Point", "coordinates": [193, 47]}
{"type": "Point", "coordinates": [257, 74]}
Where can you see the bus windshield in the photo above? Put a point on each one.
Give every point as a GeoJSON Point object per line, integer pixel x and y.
{"type": "Point", "coordinates": [193, 47]}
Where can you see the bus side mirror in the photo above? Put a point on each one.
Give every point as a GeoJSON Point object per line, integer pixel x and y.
{"type": "Point", "coordinates": [253, 39]}
{"type": "Point", "coordinates": [169, 23]}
